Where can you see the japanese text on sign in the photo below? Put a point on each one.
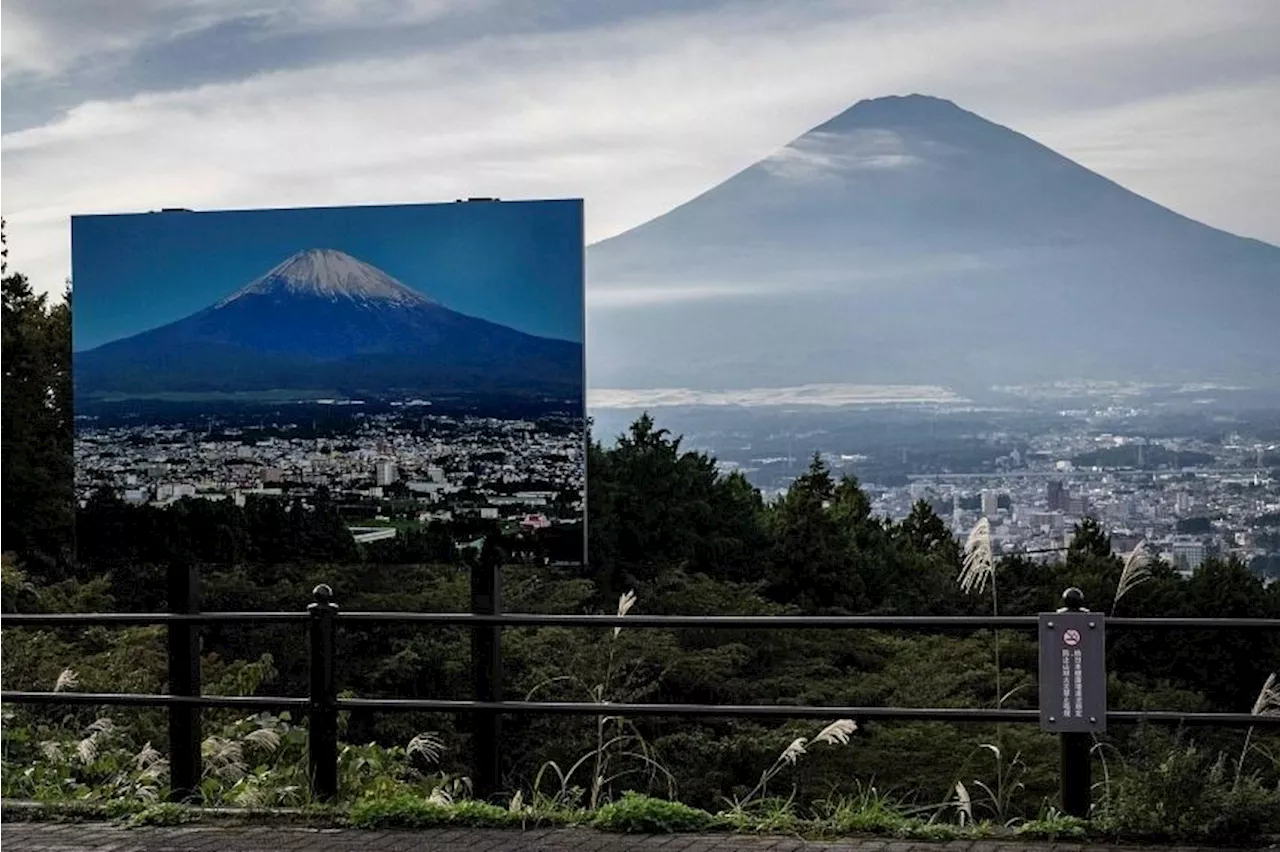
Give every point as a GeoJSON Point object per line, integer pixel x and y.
{"type": "Point", "coordinates": [1072, 671]}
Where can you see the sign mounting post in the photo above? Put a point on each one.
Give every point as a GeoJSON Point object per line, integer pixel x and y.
{"type": "Point", "coordinates": [1073, 691]}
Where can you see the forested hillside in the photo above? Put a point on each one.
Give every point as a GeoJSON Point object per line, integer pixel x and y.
{"type": "Point", "coordinates": [664, 526]}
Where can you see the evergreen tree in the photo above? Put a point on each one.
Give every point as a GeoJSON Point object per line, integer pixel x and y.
{"type": "Point", "coordinates": [652, 505]}
{"type": "Point", "coordinates": [813, 546]}
{"type": "Point", "coordinates": [38, 499]}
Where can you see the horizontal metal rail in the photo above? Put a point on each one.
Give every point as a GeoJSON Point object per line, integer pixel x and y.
{"type": "Point", "coordinates": [72, 619]}
{"type": "Point", "coordinates": [142, 699]}
{"type": "Point", "coordinates": [1194, 623]}
{"type": "Point", "coordinates": [584, 708]}
{"type": "Point", "coordinates": [750, 622]}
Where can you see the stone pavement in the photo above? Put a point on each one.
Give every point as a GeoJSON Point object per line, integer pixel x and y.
{"type": "Point", "coordinates": [107, 837]}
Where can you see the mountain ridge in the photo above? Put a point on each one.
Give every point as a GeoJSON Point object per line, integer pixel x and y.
{"type": "Point", "coordinates": [324, 319]}
{"type": "Point", "coordinates": [909, 240]}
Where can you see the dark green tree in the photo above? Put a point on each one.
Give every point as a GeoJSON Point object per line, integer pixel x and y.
{"type": "Point", "coordinates": [814, 528]}
{"type": "Point", "coordinates": [38, 499]}
{"type": "Point", "coordinates": [652, 505]}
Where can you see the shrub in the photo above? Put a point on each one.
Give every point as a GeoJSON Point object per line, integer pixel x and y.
{"type": "Point", "coordinates": [1054, 825]}
{"type": "Point", "coordinates": [1186, 795]}
{"type": "Point", "coordinates": [635, 813]}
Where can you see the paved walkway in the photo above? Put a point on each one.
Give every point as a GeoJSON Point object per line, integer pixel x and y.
{"type": "Point", "coordinates": [107, 837]}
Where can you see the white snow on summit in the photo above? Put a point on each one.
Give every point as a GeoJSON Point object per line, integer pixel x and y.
{"type": "Point", "coordinates": [333, 275]}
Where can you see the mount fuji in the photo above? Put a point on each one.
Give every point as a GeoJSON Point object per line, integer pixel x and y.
{"type": "Point", "coordinates": [910, 241]}
{"type": "Point", "coordinates": [322, 319]}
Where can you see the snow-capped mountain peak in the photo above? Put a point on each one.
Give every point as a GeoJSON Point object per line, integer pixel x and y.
{"type": "Point", "coordinates": [332, 275]}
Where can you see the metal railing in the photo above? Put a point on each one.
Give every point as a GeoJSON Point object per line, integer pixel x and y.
{"type": "Point", "coordinates": [486, 620]}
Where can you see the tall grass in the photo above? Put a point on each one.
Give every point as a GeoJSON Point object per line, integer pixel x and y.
{"type": "Point", "coordinates": [620, 750]}
{"type": "Point", "coordinates": [1136, 570]}
{"type": "Point", "coordinates": [979, 569]}
{"type": "Point", "coordinates": [836, 733]}
{"type": "Point", "coordinates": [1267, 704]}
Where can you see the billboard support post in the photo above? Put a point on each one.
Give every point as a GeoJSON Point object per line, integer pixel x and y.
{"type": "Point", "coordinates": [486, 668]}
{"type": "Point", "coordinates": [184, 680]}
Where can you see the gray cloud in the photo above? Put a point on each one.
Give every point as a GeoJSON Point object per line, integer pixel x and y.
{"type": "Point", "coordinates": [239, 103]}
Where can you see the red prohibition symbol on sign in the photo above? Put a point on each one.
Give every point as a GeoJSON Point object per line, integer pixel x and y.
{"type": "Point", "coordinates": [1071, 638]}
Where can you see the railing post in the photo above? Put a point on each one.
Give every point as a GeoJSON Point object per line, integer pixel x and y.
{"type": "Point", "coordinates": [486, 667]}
{"type": "Point", "coordinates": [322, 714]}
{"type": "Point", "coordinates": [1076, 780]}
{"type": "Point", "coordinates": [183, 583]}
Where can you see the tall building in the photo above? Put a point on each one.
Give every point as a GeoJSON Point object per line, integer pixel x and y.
{"type": "Point", "coordinates": [990, 503]}
{"type": "Point", "coordinates": [1188, 553]}
{"type": "Point", "coordinates": [385, 473]}
{"type": "Point", "coordinates": [1056, 495]}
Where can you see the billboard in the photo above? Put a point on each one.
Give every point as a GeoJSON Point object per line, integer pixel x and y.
{"type": "Point", "coordinates": [421, 364]}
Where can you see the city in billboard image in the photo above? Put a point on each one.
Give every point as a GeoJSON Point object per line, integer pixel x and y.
{"type": "Point", "coordinates": [415, 367]}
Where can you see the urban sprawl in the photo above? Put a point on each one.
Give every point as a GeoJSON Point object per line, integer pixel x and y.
{"type": "Point", "coordinates": [434, 469]}
{"type": "Point", "coordinates": [1186, 499]}
{"type": "Point", "coordinates": [1182, 513]}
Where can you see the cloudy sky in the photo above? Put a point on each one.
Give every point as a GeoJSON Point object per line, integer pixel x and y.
{"type": "Point", "coordinates": [636, 106]}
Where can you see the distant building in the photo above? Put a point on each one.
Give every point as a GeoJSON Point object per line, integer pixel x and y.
{"type": "Point", "coordinates": [365, 535]}
{"type": "Point", "coordinates": [1125, 508]}
{"type": "Point", "coordinates": [1188, 553]}
{"type": "Point", "coordinates": [385, 473]}
{"type": "Point", "coordinates": [1056, 495]}
{"type": "Point", "coordinates": [990, 503]}
{"type": "Point", "coordinates": [1045, 521]}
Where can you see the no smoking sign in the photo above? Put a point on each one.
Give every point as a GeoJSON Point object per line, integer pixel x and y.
{"type": "Point", "coordinates": [1073, 675]}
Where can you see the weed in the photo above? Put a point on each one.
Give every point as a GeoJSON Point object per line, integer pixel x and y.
{"type": "Point", "coordinates": [869, 811]}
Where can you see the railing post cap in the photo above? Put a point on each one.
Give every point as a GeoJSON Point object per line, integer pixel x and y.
{"type": "Point", "coordinates": [1073, 599]}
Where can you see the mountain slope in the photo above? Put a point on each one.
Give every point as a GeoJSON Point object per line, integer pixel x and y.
{"type": "Point", "coordinates": [908, 240]}
{"type": "Point", "coordinates": [324, 320]}
{"type": "Point", "coordinates": [326, 273]}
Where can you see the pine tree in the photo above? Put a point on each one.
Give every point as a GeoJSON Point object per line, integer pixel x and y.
{"type": "Point", "coordinates": [38, 497]}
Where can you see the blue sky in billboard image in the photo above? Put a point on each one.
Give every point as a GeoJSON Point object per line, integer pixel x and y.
{"type": "Point", "coordinates": [518, 264]}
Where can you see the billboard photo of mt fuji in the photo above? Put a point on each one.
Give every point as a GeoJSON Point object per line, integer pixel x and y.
{"type": "Point", "coordinates": [418, 367]}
